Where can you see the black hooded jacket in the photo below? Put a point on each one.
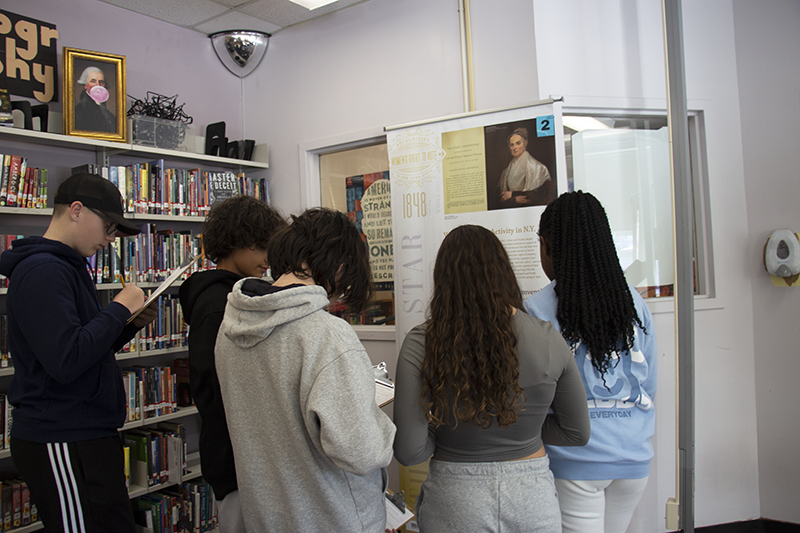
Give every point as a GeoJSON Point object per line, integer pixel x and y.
{"type": "Point", "coordinates": [67, 385]}
{"type": "Point", "coordinates": [203, 298]}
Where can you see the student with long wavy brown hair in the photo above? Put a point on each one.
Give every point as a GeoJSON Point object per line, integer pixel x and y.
{"type": "Point", "coordinates": [481, 386]}
{"type": "Point", "coordinates": [610, 330]}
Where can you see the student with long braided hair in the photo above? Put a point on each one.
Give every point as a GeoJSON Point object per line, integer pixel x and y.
{"type": "Point", "coordinates": [610, 331]}
{"type": "Point", "coordinates": [480, 387]}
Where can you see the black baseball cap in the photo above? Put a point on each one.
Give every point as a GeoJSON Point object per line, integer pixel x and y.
{"type": "Point", "coordinates": [98, 193]}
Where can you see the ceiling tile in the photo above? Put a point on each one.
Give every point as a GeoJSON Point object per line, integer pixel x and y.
{"type": "Point", "coordinates": [234, 20]}
{"type": "Point", "coordinates": [178, 12]}
{"type": "Point", "coordinates": [234, 3]}
{"type": "Point", "coordinates": [285, 13]}
{"type": "Point", "coordinates": [209, 16]}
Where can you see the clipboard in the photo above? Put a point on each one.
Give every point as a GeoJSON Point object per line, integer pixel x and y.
{"type": "Point", "coordinates": [188, 262]}
{"type": "Point", "coordinates": [384, 387]}
{"type": "Point", "coordinates": [397, 513]}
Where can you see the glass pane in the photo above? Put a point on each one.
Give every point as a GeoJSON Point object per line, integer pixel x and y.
{"type": "Point", "coordinates": [625, 163]}
{"type": "Point", "coordinates": [356, 182]}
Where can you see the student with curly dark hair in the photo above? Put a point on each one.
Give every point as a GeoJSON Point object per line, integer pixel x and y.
{"type": "Point", "coordinates": [235, 237]}
{"type": "Point", "coordinates": [480, 387]}
{"type": "Point", "coordinates": [610, 330]}
{"type": "Point", "coordinates": [299, 388]}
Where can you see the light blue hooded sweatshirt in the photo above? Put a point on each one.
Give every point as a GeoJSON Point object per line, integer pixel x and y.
{"type": "Point", "coordinates": [621, 409]}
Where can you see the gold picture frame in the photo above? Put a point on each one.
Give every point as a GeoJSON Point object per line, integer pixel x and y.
{"type": "Point", "coordinates": [97, 114]}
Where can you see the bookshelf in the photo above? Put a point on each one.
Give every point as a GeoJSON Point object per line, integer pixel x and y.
{"type": "Point", "coordinates": [181, 413]}
{"type": "Point", "coordinates": [115, 148]}
{"type": "Point", "coordinates": [194, 472]}
{"type": "Point", "coordinates": [134, 491]}
{"type": "Point", "coordinates": [59, 153]}
{"type": "Point", "coordinates": [36, 526]}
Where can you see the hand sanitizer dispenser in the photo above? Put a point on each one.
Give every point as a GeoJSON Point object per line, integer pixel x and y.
{"type": "Point", "coordinates": [782, 253]}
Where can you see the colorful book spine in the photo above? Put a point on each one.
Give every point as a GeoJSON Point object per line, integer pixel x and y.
{"type": "Point", "coordinates": [13, 180]}
{"type": "Point", "coordinates": [4, 162]}
{"type": "Point", "coordinates": [19, 183]}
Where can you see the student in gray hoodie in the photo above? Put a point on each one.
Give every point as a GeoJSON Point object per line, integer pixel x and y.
{"type": "Point", "coordinates": [310, 442]}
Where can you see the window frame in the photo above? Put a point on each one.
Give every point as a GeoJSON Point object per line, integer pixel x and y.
{"type": "Point", "coordinates": [311, 194]}
{"type": "Point", "coordinates": [705, 295]}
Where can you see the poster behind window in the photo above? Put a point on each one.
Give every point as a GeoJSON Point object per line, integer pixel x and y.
{"type": "Point", "coordinates": [368, 199]}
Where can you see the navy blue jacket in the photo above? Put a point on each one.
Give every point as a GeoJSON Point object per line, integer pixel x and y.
{"type": "Point", "coordinates": [67, 385]}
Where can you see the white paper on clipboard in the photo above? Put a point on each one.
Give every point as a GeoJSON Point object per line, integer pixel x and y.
{"type": "Point", "coordinates": [166, 283]}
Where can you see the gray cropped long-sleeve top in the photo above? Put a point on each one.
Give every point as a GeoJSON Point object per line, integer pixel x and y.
{"type": "Point", "coordinates": [555, 410]}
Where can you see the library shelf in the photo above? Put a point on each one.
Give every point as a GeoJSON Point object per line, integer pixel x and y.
{"type": "Point", "coordinates": [122, 356]}
{"type": "Point", "coordinates": [36, 526]}
{"type": "Point", "coordinates": [193, 472]}
{"type": "Point", "coordinates": [102, 153]}
{"type": "Point", "coordinates": [181, 412]}
{"type": "Point", "coordinates": [115, 148]}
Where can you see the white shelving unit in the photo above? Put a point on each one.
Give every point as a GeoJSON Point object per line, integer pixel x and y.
{"type": "Point", "coordinates": [13, 140]}
{"type": "Point", "coordinates": [114, 148]}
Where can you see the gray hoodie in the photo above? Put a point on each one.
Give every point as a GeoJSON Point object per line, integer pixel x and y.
{"type": "Point", "coordinates": [299, 393]}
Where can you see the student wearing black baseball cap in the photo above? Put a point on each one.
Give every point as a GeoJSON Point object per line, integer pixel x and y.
{"type": "Point", "coordinates": [99, 195]}
{"type": "Point", "coordinates": [67, 389]}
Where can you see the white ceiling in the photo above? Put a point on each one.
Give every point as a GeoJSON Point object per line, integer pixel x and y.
{"type": "Point", "coordinates": [209, 16]}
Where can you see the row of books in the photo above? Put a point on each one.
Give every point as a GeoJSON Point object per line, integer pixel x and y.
{"type": "Point", "coordinates": [153, 391]}
{"type": "Point", "coordinates": [149, 256]}
{"type": "Point", "coordinates": [20, 184]}
{"type": "Point", "coordinates": [18, 508]}
{"type": "Point", "coordinates": [168, 330]}
{"type": "Point", "coordinates": [150, 392]}
{"type": "Point", "coordinates": [157, 455]}
{"type": "Point", "coordinates": [6, 420]}
{"type": "Point", "coordinates": [186, 508]}
{"type": "Point", "coordinates": [5, 352]}
{"type": "Point", "coordinates": [5, 244]}
{"type": "Point", "coordinates": [378, 312]}
{"type": "Point", "coordinates": [151, 188]}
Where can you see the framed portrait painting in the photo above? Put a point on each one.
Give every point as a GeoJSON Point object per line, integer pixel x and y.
{"type": "Point", "coordinates": [94, 95]}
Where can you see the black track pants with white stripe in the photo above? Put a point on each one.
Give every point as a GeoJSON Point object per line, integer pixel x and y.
{"type": "Point", "coordinates": [78, 487]}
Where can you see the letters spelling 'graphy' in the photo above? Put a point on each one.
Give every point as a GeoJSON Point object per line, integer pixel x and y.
{"type": "Point", "coordinates": [29, 52]}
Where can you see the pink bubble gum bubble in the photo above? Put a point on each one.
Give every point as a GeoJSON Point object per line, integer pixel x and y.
{"type": "Point", "coordinates": [98, 93]}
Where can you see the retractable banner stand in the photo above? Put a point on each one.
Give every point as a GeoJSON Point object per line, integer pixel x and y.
{"type": "Point", "coordinates": [495, 169]}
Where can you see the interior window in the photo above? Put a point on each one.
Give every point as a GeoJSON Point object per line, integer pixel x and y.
{"type": "Point", "coordinates": [356, 182]}
{"type": "Point", "coordinates": [624, 160]}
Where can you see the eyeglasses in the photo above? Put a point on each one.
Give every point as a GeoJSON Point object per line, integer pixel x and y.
{"type": "Point", "coordinates": [111, 226]}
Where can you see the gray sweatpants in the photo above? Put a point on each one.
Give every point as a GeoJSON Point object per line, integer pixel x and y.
{"type": "Point", "coordinates": [497, 497]}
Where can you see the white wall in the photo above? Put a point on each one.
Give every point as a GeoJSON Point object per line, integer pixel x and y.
{"type": "Point", "coordinates": [767, 44]}
{"type": "Point", "coordinates": [378, 64]}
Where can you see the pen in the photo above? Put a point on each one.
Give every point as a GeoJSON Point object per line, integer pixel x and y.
{"type": "Point", "coordinates": [121, 269]}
